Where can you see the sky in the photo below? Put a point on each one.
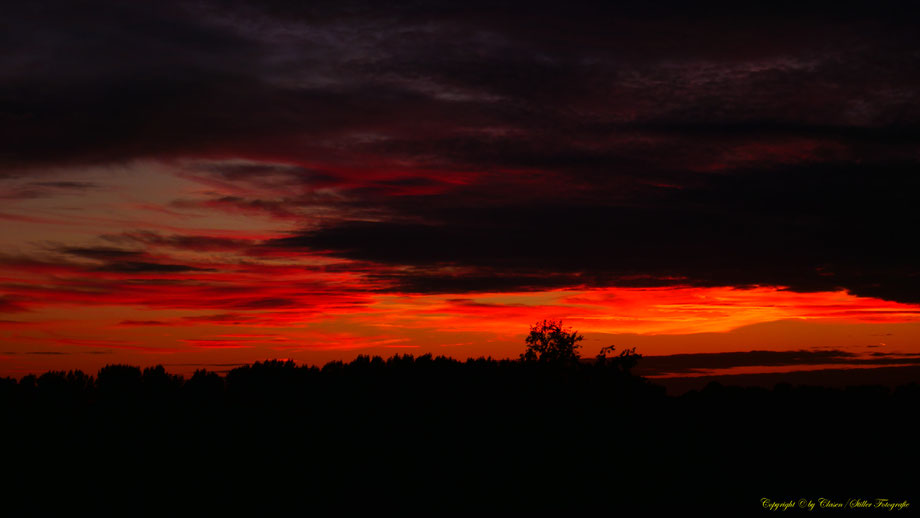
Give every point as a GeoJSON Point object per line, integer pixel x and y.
{"type": "Point", "coordinates": [207, 184]}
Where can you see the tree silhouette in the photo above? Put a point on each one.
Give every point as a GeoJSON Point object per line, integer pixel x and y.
{"type": "Point", "coordinates": [549, 341]}
{"type": "Point", "coordinates": [625, 361]}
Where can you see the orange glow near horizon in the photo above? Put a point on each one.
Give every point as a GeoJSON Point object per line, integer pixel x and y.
{"type": "Point", "coordinates": [155, 265]}
{"type": "Point", "coordinates": [656, 321]}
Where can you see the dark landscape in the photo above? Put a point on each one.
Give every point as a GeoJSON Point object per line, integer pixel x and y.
{"type": "Point", "coordinates": [439, 435]}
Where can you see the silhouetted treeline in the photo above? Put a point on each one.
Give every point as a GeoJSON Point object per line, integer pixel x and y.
{"type": "Point", "coordinates": [443, 435]}
{"type": "Point", "coordinates": [282, 383]}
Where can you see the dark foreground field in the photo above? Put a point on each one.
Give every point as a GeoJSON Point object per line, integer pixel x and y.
{"type": "Point", "coordinates": [440, 436]}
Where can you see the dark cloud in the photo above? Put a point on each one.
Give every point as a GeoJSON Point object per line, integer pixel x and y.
{"type": "Point", "coordinates": [261, 174]}
{"type": "Point", "coordinates": [34, 190]}
{"type": "Point", "coordinates": [266, 303]}
{"type": "Point", "coordinates": [106, 80]}
{"type": "Point", "coordinates": [905, 355]}
{"type": "Point", "coordinates": [221, 318]}
{"type": "Point", "coordinates": [699, 363]}
{"type": "Point", "coordinates": [77, 186]}
{"type": "Point", "coordinates": [810, 228]}
{"type": "Point", "coordinates": [178, 241]}
{"type": "Point", "coordinates": [282, 209]}
{"type": "Point", "coordinates": [143, 323]}
{"type": "Point", "coordinates": [483, 146]}
{"type": "Point", "coordinates": [11, 305]}
{"type": "Point", "coordinates": [102, 253]}
{"type": "Point", "coordinates": [117, 260]}
{"type": "Point", "coordinates": [144, 267]}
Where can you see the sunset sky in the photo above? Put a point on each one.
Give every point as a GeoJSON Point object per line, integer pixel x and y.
{"type": "Point", "coordinates": [205, 184]}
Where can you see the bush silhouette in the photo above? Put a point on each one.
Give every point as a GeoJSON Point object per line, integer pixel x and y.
{"type": "Point", "coordinates": [625, 361]}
